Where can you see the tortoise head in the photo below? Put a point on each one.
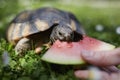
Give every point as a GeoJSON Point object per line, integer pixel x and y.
{"type": "Point", "coordinates": [62, 33]}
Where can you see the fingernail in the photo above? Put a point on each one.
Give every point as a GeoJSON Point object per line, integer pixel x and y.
{"type": "Point", "coordinates": [87, 54]}
{"type": "Point", "coordinates": [79, 73]}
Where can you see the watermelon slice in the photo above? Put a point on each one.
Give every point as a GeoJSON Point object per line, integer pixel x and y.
{"type": "Point", "coordinates": [70, 53]}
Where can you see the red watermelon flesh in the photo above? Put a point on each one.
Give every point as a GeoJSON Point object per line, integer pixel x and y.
{"type": "Point", "coordinates": [70, 53]}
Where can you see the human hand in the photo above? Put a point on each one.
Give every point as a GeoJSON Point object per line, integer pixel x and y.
{"type": "Point", "coordinates": [105, 60]}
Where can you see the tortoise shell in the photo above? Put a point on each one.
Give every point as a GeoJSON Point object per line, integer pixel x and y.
{"type": "Point", "coordinates": [31, 22]}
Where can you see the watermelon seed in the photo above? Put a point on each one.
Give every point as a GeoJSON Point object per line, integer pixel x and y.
{"type": "Point", "coordinates": [69, 45]}
{"type": "Point", "coordinates": [59, 46]}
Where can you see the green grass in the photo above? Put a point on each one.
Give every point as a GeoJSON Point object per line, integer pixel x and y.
{"type": "Point", "coordinates": [30, 66]}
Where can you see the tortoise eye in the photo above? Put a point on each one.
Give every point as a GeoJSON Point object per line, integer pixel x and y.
{"type": "Point", "coordinates": [60, 33]}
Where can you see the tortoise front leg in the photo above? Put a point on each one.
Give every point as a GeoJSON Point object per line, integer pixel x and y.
{"type": "Point", "coordinates": [23, 45]}
{"type": "Point", "coordinates": [39, 48]}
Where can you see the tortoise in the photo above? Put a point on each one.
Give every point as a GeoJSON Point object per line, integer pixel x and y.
{"type": "Point", "coordinates": [31, 29]}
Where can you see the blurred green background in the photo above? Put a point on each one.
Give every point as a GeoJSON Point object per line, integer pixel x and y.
{"type": "Point", "coordinates": [100, 19]}
{"type": "Point", "coordinates": [102, 14]}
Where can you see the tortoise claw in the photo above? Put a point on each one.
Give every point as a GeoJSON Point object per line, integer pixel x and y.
{"type": "Point", "coordinates": [39, 49]}
{"type": "Point", "coordinates": [47, 45]}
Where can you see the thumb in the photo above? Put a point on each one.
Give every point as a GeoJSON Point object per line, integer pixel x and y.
{"type": "Point", "coordinates": [102, 58]}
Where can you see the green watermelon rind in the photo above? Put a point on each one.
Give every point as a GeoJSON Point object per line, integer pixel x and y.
{"type": "Point", "coordinates": [47, 58]}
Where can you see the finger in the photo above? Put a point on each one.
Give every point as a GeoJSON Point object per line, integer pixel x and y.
{"type": "Point", "coordinates": [115, 76]}
{"type": "Point", "coordinates": [110, 69]}
{"type": "Point", "coordinates": [90, 75]}
{"type": "Point", "coordinates": [102, 58]}
{"type": "Point", "coordinates": [86, 74]}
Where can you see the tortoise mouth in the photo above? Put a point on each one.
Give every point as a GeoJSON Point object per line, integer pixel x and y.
{"type": "Point", "coordinates": [74, 38]}
{"type": "Point", "coordinates": [77, 37]}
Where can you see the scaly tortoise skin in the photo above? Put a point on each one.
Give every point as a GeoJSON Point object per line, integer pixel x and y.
{"type": "Point", "coordinates": [32, 28]}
